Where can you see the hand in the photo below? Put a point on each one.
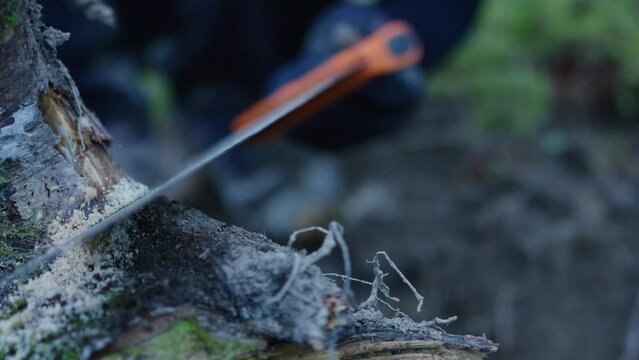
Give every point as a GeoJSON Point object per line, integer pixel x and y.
{"type": "Point", "coordinates": [366, 112]}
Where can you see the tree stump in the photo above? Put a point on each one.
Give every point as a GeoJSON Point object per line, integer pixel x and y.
{"type": "Point", "coordinates": [170, 282]}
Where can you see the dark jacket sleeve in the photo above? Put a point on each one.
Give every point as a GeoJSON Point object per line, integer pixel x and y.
{"type": "Point", "coordinates": [385, 105]}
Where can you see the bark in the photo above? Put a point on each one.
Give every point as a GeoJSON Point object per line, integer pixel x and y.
{"type": "Point", "coordinates": [170, 282]}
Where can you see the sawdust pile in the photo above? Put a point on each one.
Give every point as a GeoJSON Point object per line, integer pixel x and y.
{"type": "Point", "coordinates": [72, 292]}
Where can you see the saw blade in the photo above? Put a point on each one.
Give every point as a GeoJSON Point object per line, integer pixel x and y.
{"type": "Point", "coordinates": [220, 148]}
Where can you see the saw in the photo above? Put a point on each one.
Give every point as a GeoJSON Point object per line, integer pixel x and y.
{"type": "Point", "coordinates": [391, 48]}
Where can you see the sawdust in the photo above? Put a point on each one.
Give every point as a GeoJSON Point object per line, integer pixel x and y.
{"type": "Point", "coordinates": [122, 194]}
{"type": "Point", "coordinates": [73, 290]}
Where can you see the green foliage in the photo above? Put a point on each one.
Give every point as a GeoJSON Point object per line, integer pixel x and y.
{"type": "Point", "coordinates": [160, 97]}
{"type": "Point", "coordinates": [502, 70]}
{"type": "Point", "coordinates": [187, 339]}
{"type": "Point", "coordinates": [10, 17]}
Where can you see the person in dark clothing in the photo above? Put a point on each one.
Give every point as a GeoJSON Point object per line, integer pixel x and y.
{"type": "Point", "coordinates": [220, 56]}
{"type": "Point", "coordinates": [253, 46]}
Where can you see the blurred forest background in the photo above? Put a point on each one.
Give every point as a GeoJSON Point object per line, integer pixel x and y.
{"type": "Point", "coordinates": [511, 200]}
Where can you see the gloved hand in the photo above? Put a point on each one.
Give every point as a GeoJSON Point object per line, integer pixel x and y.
{"type": "Point", "coordinates": [378, 108]}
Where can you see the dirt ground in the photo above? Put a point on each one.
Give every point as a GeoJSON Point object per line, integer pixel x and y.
{"type": "Point", "coordinates": [531, 241]}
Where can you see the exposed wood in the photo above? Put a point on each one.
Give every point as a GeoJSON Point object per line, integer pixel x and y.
{"type": "Point", "coordinates": [370, 348]}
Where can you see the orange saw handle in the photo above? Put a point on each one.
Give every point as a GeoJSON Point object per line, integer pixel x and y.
{"type": "Point", "coordinates": [391, 48]}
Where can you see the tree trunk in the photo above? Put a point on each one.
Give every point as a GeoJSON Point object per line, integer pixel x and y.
{"type": "Point", "coordinates": [170, 283]}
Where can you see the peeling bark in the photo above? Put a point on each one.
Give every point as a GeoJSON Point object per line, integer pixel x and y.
{"type": "Point", "coordinates": [168, 273]}
{"type": "Point", "coordinates": [52, 149]}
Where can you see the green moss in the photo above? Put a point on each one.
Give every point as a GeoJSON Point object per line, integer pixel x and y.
{"type": "Point", "coordinates": [32, 347]}
{"type": "Point", "coordinates": [6, 251]}
{"type": "Point", "coordinates": [19, 305]}
{"type": "Point", "coordinates": [7, 351]}
{"type": "Point", "coordinates": [70, 355]}
{"type": "Point", "coordinates": [18, 325]}
{"type": "Point", "coordinates": [120, 300]}
{"type": "Point", "coordinates": [21, 231]}
{"type": "Point", "coordinates": [187, 339]}
{"type": "Point", "coordinates": [115, 300]}
{"type": "Point", "coordinates": [17, 238]}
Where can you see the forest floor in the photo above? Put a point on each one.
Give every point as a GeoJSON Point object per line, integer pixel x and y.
{"type": "Point", "coordinates": [531, 241]}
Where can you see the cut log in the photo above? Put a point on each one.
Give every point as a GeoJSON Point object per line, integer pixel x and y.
{"type": "Point", "coordinates": [168, 283]}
